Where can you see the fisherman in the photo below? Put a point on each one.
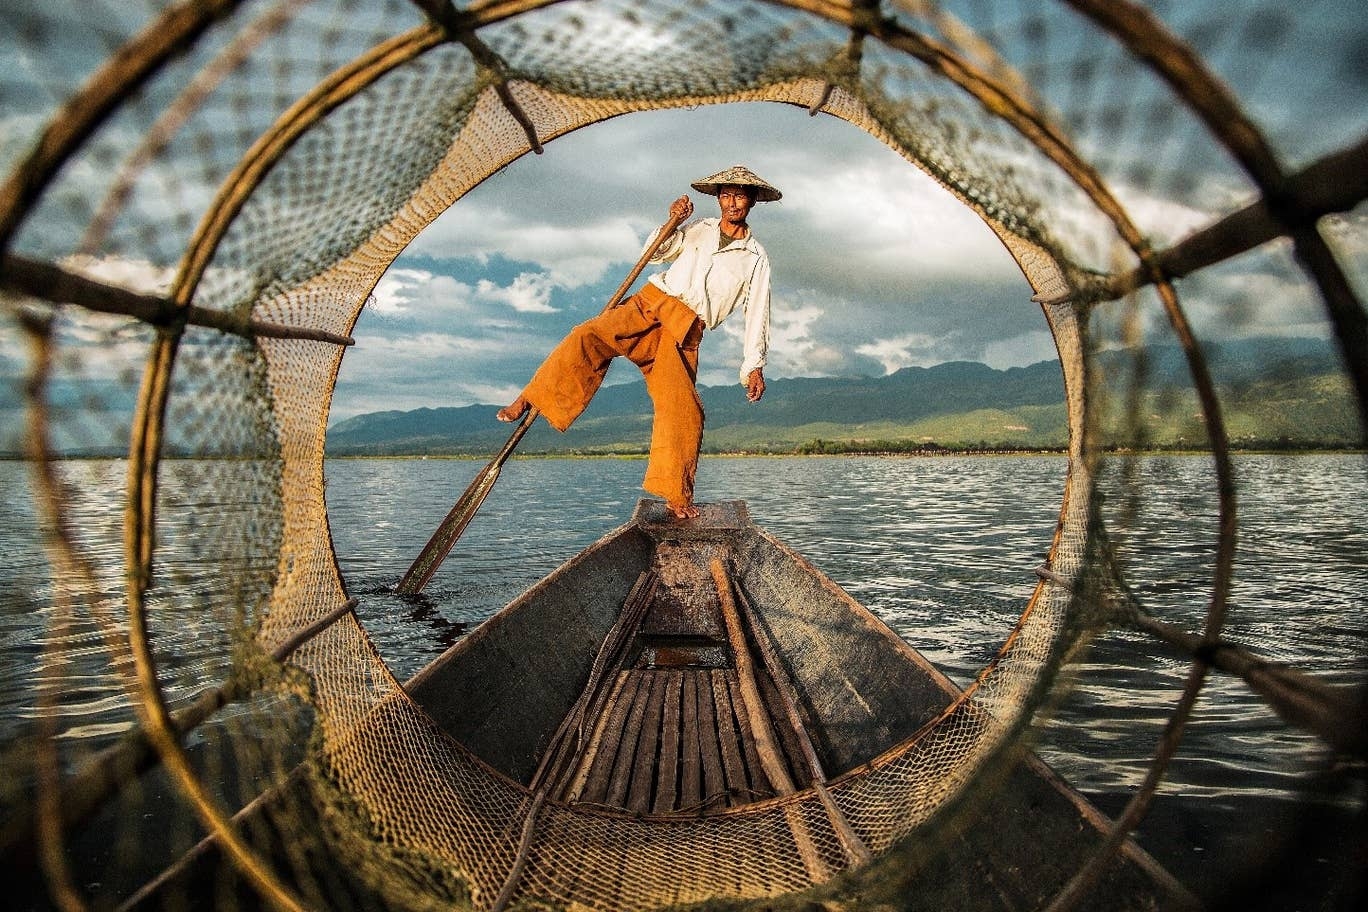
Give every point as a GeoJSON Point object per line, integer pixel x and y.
{"type": "Point", "coordinates": [716, 267]}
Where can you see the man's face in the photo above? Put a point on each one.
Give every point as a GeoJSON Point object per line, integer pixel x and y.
{"type": "Point", "coordinates": [735, 203]}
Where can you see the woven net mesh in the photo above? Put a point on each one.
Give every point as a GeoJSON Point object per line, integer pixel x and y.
{"type": "Point", "coordinates": [234, 190]}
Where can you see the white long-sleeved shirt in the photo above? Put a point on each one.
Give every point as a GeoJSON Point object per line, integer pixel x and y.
{"type": "Point", "coordinates": [715, 282]}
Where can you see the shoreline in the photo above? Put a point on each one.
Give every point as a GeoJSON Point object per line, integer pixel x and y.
{"type": "Point", "coordinates": [944, 452]}
{"type": "Point", "coordinates": [936, 453]}
{"type": "Point", "coordinates": [914, 451]}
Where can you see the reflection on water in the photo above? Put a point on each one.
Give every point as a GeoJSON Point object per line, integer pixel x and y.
{"type": "Point", "coordinates": [943, 549]}
{"type": "Point", "coordinates": [213, 571]}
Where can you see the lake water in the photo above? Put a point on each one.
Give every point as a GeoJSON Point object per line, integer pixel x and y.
{"type": "Point", "coordinates": [944, 550]}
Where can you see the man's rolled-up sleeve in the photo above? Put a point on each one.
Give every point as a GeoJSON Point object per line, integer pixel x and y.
{"type": "Point", "coordinates": [670, 249]}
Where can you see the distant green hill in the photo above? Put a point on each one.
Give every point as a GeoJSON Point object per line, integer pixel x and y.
{"type": "Point", "coordinates": [1275, 392]}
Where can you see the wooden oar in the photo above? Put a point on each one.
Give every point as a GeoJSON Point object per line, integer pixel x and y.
{"type": "Point", "coordinates": [454, 525]}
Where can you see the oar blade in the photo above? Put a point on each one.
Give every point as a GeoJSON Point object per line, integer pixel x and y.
{"type": "Point", "coordinates": [447, 534]}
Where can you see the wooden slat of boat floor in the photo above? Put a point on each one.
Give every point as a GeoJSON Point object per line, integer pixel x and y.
{"type": "Point", "coordinates": [671, 726]}
{"type": "Point", "coordinates": [672, 740]}
{"type": "Point", "coordinates": [690, 760]}
{"type": "Point", "coordinates": [642, 770]}
{"type": "Point", "coordinates": [603, 747]}
{"type": "Point", "coordinates": [620, 777]}
{"type": "Point", "coordinates": [729, 741]}
{"type": "Point", "coordinates": [709, 753]}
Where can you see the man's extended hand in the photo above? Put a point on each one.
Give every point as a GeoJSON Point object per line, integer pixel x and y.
{"type": "Point", "coordinates": [755, 385]}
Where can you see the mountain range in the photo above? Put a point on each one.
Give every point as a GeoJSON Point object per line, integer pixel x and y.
{"type": "Point", "coordinates": [1275, 392]}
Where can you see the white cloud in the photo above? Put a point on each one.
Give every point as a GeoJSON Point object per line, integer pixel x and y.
{"type": "Point", "coordinates": [420, 296]}
{"type": "Point", "coordinates": [897, 219]}
{"type": "Point", "coordinates": [790, 327]}
{"type": "Point", "coordinates": [572, 255]}
{"type": "Point", "coordinates": [415, 352]}
{"type": "Point", "coordinates": [530, 292]}
{"type": "Point", "coordinates": [1164, 221]}
{"type": "Point", "coordinates": [1347, 235]}
{"type": "Point", "coordinates": [426, 346]}
{"type": "Point", "coordinates": [909, 350]}
{"type": "Point", "coordinates": [403, 293]}
{"type": "Point", "coordinates": [1276, 300]}
{"type": "Point", "coordinates": [491, 392]}
{"type": "Point", "coordinates": [796, 349]}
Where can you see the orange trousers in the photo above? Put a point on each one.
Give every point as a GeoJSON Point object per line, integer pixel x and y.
{"type": "Point", "coordinates": [660, 335]}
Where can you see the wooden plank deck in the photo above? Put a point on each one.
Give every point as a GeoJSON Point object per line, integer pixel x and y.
{"type": "Point", "coordinates": [673, 740]}
{"type": "Point", "coordinates": [671, 732]}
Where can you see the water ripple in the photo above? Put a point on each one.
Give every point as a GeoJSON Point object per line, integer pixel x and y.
{"type": "Point", "coordinates": [943, 549]}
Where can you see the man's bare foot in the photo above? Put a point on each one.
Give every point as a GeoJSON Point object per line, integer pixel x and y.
{"type": "Point", "coordinates": [514, 411]}
{"type": "Point", "coordinates": [684, 510]}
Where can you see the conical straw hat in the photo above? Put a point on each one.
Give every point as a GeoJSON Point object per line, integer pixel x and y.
{"type": "Point", "coordinates": [737, 175]}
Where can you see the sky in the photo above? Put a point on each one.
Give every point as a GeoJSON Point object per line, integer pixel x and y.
{"type": "Point", "coordinates": [876, 267]}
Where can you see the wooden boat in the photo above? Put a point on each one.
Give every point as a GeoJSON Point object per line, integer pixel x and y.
{"type": "Point", "coordinates": [677, 670]}
{"type": "Point", "coordinates": [633, 632]}
{"type": "Point", "coordinates": [680, 676]}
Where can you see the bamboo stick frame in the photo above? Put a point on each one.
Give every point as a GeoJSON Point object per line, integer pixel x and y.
{"type": "Point", "coordinates": [1156, 269]}
{"type": "Point", "coordinates": [44, 281]}
{"type": "Point", "coordinates": [145, 440]}
{"type": "Point", "coordinates": [1017, 112]}
{"type": "Point", "coordinates": [43, 820]}
{"type": "Point", "coordinates": [175, 30]}
{"type": "Point", "coordinates": [1002, 100]}
{"type": "Point", "coordinates": [1333, 184]}
{"type": "Point", "coordinates": [207, 240]}
{"type": "Point", "coordinates": [1146, 36]}
{"type": "Point", "coordinates": [91, 786]}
